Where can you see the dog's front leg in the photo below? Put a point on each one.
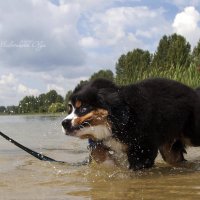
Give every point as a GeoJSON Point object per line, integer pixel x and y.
{"type": "Point", "coordinates": [141, 155]}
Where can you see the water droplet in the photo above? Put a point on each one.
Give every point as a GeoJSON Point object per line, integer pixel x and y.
{"type": "Point", "coordinates": [111, 152]}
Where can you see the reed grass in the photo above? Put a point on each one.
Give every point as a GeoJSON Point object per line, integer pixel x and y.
{"type": "Point", "coordinates": [189, 76]}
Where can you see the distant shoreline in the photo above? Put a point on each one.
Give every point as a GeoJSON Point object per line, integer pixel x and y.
{"type": "Point", "coordinates": [35, 114]}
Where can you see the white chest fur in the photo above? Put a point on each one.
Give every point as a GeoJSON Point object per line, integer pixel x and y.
{"type": "Point", "coordinates": [118, 151]}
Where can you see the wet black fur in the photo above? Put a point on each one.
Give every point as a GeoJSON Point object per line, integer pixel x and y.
{"type": "Point", "coordinates": [146, 115]}
{"type": "Point", "coordinates": [198, 91]}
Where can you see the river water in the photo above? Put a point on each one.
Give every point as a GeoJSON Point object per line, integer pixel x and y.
{"type": "Point", "coordinates": [23, 177]}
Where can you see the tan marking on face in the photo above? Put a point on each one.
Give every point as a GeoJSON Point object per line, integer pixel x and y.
{"type": "Point", "coordinates": [80, 120]}
{"type": "Point", "coordinates": [78, 104]}
{"type": "Point", "coordinates": [99, 117]}
{"type": "Point", "coordinates": [95, 117]}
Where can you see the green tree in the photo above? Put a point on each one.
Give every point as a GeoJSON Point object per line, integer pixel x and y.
{"type": "Point", "coordinates": [107, 74]}
{"type": "Point", "coordinates": [31, 104]}
{"type": "Point", "coordinates": [12, 109]}
{"type": "Point", "coordinates": [51, 97]}
{"type": "Point", "coordinates": [2, 109]}
{"type": "Point", "coordinates": [172, 51]}
{"type": "Point", "coordinates": [129, 65]}
{"type": "Point", "coordinates": [46, 100]}
{"type": "Point", "coordinates": [43, 107]}
{"type": "Point", "coordinates": [82, 83]}
{"type": "Point", "coordinates": [161, 55]}
{"type": "Point", "coordinates": [28, 104]}
{"type": "Point", "coordinates": [59, 99]}
{"type": "Point", "coordinates": [56, 107]}
{"type": "Point", "coordinates": [196, 55]}
{"type": "Point", "coordinates": [67, 96]}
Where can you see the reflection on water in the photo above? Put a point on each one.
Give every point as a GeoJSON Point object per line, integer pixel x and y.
{"type": "Point", "coordinates": [24, 177]}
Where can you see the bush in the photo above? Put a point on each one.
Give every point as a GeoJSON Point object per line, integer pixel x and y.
{"type": "Point", "coordinates": [56, 107]}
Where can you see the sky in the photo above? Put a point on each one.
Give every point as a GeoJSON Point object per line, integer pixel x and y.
{"type": "Point", "coordinates": [53, 44]}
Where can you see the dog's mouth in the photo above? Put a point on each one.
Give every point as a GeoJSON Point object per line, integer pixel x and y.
{"type": "Point", "coordinates": [88, 131]}
{"type": "Point", "coordinates": [75, 130]}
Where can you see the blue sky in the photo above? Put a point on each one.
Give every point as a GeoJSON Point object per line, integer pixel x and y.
{"type": "Point", "coordinates": [53, 44]}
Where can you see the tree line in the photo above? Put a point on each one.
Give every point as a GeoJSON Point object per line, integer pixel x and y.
{"type": "Point", "coordinates": [50, 102]}
{"type": "Point", "coordinates": [173, 55]}
{"type": "Point", "coordinates": [173, 59]}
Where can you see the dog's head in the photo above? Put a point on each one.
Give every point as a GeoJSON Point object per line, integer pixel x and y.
{"type": "Point", "coordinates": [90, 110]}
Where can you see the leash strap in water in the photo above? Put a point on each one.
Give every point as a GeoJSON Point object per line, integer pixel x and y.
{"type": "Point", "coordinates": [33, 153]}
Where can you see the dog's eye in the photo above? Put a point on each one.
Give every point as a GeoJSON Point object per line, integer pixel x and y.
{"type": "Point", "coordinates": [69, 109]}
{"type": "Point", "coordinates": [83, 110]}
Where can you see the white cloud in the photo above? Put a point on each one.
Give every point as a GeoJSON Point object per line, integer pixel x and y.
{"type": "Point", "coordinates": [58, 88]}
{"type": "Point", "coordinates": [117, 30]}
{"type": "Point", "coordinates": [39, 21]}
{"type": "Point", "coordinates": [7, 80]}
{"type": "Point", "coordinates": [24, 90]}
{"type": "Point", "coordinates": [11, 90]}
{"type": "Point", "coordinates": [115, 23]}
{"type": "Point", "coordinates": [89, 42]}
{"type": "Point", "coordinates": [186, 23]}
{"type": "Point", "coordinates": [71, 29]}
{"type": "Point", "coordinates": [60, 83]}
{"type": "Point", "coordinates": [90, 5]}
{"type": "Point", "coordinates": [184, 3]}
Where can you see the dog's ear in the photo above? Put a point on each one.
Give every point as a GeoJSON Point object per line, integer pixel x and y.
{"type": "Point", "coordinates": [118, 111]}
{"type": "Point", "coordinates": [109, 97]}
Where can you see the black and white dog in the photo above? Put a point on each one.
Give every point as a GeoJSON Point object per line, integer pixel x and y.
{"type": "Point", "coordinates": [133, 122]}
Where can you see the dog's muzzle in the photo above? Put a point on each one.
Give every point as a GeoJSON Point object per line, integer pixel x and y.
{"type": "Point", "coordinates": [66, 123]}
{"type": "Point", "coordinates": [69, 128]}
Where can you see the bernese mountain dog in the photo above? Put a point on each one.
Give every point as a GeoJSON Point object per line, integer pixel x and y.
{"type": "Point", "coordinates": [130, 124]}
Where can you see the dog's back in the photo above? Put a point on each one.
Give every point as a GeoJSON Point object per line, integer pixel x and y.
{"type": "Point", "coordinates": [198, 91]}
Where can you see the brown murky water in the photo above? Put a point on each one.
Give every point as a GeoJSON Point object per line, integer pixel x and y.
{"type": "Point", "coordinates": [24, 177]}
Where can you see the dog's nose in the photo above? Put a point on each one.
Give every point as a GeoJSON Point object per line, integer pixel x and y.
{"type": "Point", "coordinates": [66, 123]}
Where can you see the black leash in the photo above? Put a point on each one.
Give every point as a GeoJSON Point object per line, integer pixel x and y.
{"type": "Point", "coordinates": [33, 153]}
